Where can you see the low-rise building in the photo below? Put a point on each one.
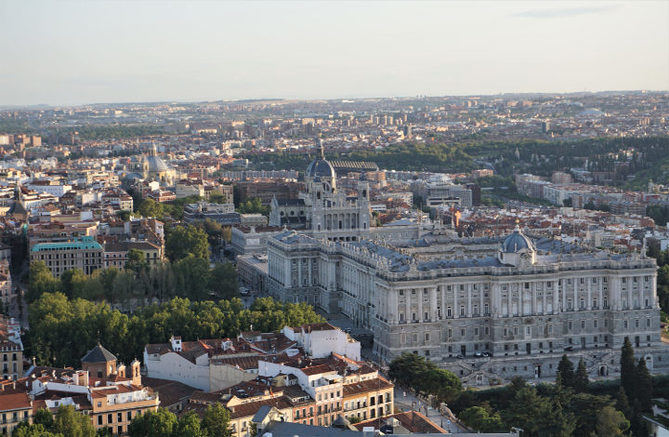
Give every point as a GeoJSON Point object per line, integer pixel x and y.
{"type": "Point", "coordinates": [112, 394]}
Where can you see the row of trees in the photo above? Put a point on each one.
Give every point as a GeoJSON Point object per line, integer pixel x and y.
{"type": "Point", "coordinates": [545, 410]}
{"type": "Point", "coordinates": [253, 206]}
{"type": "Point", "coordinates": [139, 284]}
{"type": "Point", "coordinates": [62, 330]}
{"type": "Point", "coordinates": [162, 423]}
{"type": "Point", "coordinates": [66, 422]}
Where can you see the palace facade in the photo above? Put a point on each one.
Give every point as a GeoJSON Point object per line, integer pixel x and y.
{"type": "Point", "coordinates": [485, 309]}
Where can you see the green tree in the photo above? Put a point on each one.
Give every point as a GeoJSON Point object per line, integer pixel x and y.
{"type": "Point", "coordinates": [73, 283]}
{"type": "Point", "coordinates": [480, 420]}
{"type": "Point", "coordinates": [35, 430]}
{"type": "Point", "coordinates": [214, 231]}
{"type": "Point", "coordinates": [216, 421]}
{"type": "Point", "coordinates": [643, 387]}
{"type": "Point", "coordinates": [150, 208]}
{"type": "Point", "coordinates": [43, 417]}
{"type": "Point", "coordinates": [189, 426]}
{"type": "Point", "coordinates": [41, 281]}
{"type": "Point", "coordinates": [447, 386]}
{"type": "Point", "coordinates": [253, 206]}
{"type": "Point", "coordinates": [538, 416]}
{"type": "Point", "coordinates": [583, 407]}
{"type": "Point", "coordinates": [581, 380]}
{"type": "Point", "coordinates": [413, 370]}
{"type": "Point", "coordinates": [159, 423]}
{"type": "Point", "coordinates": [182, 241]}
{"type": "Point", "coordinates": [611, 423]}
{"type": "Point", "coordinates": [223, 281]}
{"type": "Point", "coordinates": [622, 403]}
{"type": "Point", "coordinates": [71, 423]}
{"type": "Point", "coordinates": [218, 197]}
{"type": "Point", "coordinates": [136, 261]}
{"type": "Point", "coordinates": [627, 369]}
{"type": "Point", "coordinates": [192, 276]}
{"type": "Point", "coordinates": [63, 330]}
{"type": "Point", "coordinates": [124, 215]}
{"type": "Point", "coordinates": [565, 372]}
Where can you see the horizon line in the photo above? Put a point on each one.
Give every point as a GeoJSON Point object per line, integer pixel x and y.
{"type": "Point", "coordinates": [36, 106]}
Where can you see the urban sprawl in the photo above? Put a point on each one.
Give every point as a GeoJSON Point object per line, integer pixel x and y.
{"type": "Point", "coordinates": [410, 266]}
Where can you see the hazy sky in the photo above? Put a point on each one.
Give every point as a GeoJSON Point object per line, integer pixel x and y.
{"type": "Point", "coordinates": [94, 51]}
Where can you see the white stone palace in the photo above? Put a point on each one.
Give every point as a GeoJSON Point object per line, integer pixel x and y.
{"type": "Point", "coordinates": [488, 309]}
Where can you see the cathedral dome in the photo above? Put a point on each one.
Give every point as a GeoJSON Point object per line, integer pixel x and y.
{"type": "Point", "coordinates": [320, 168]}
{"type": "Point", "coordinates": [517, 242]}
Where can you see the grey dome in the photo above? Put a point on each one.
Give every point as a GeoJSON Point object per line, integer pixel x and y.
{"type": "Point", "coordinates": [322, 168]}
{"type": "Point", "coordinates": [98, 355]}
{"type": "Point", "coordinates": [516, 242]}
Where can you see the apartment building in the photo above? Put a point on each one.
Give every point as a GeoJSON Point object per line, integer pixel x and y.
{"type": "Point", "coordinates": [302, 390]}
{"type": "Point", "coordinates": [11, 349]}
{"type": "Point", "coordinates": [83, 253]}
{"type": "Point", "coordinates": [15, 406]}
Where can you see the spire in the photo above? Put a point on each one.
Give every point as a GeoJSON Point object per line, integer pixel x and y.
{"type": "Point", "coordinates": [321, 150]}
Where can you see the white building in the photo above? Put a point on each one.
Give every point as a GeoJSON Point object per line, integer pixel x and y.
{"type": "Point", "coordinates": [215, 364]}
{"type": "Point", "coordinates": [486, 314]}
{"type": "Point", "coordinates": [321, 339]}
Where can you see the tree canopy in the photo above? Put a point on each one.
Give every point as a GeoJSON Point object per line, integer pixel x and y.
{"type": "Point", "coordinates": [162, 423]}
{"type": "Point", "coordinates": [62, 330]}
{"type": "Point", "coordinates": [66, 422]}
{"type": "Point", "coordinates": [413, 370]}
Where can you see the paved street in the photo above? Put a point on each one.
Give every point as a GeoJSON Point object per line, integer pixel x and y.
{"type": "Point", "coordinates": [406, 401]}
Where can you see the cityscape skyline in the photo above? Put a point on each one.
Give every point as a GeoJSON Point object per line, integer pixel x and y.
{"type": "Point", "coordinates": [192, 52]}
